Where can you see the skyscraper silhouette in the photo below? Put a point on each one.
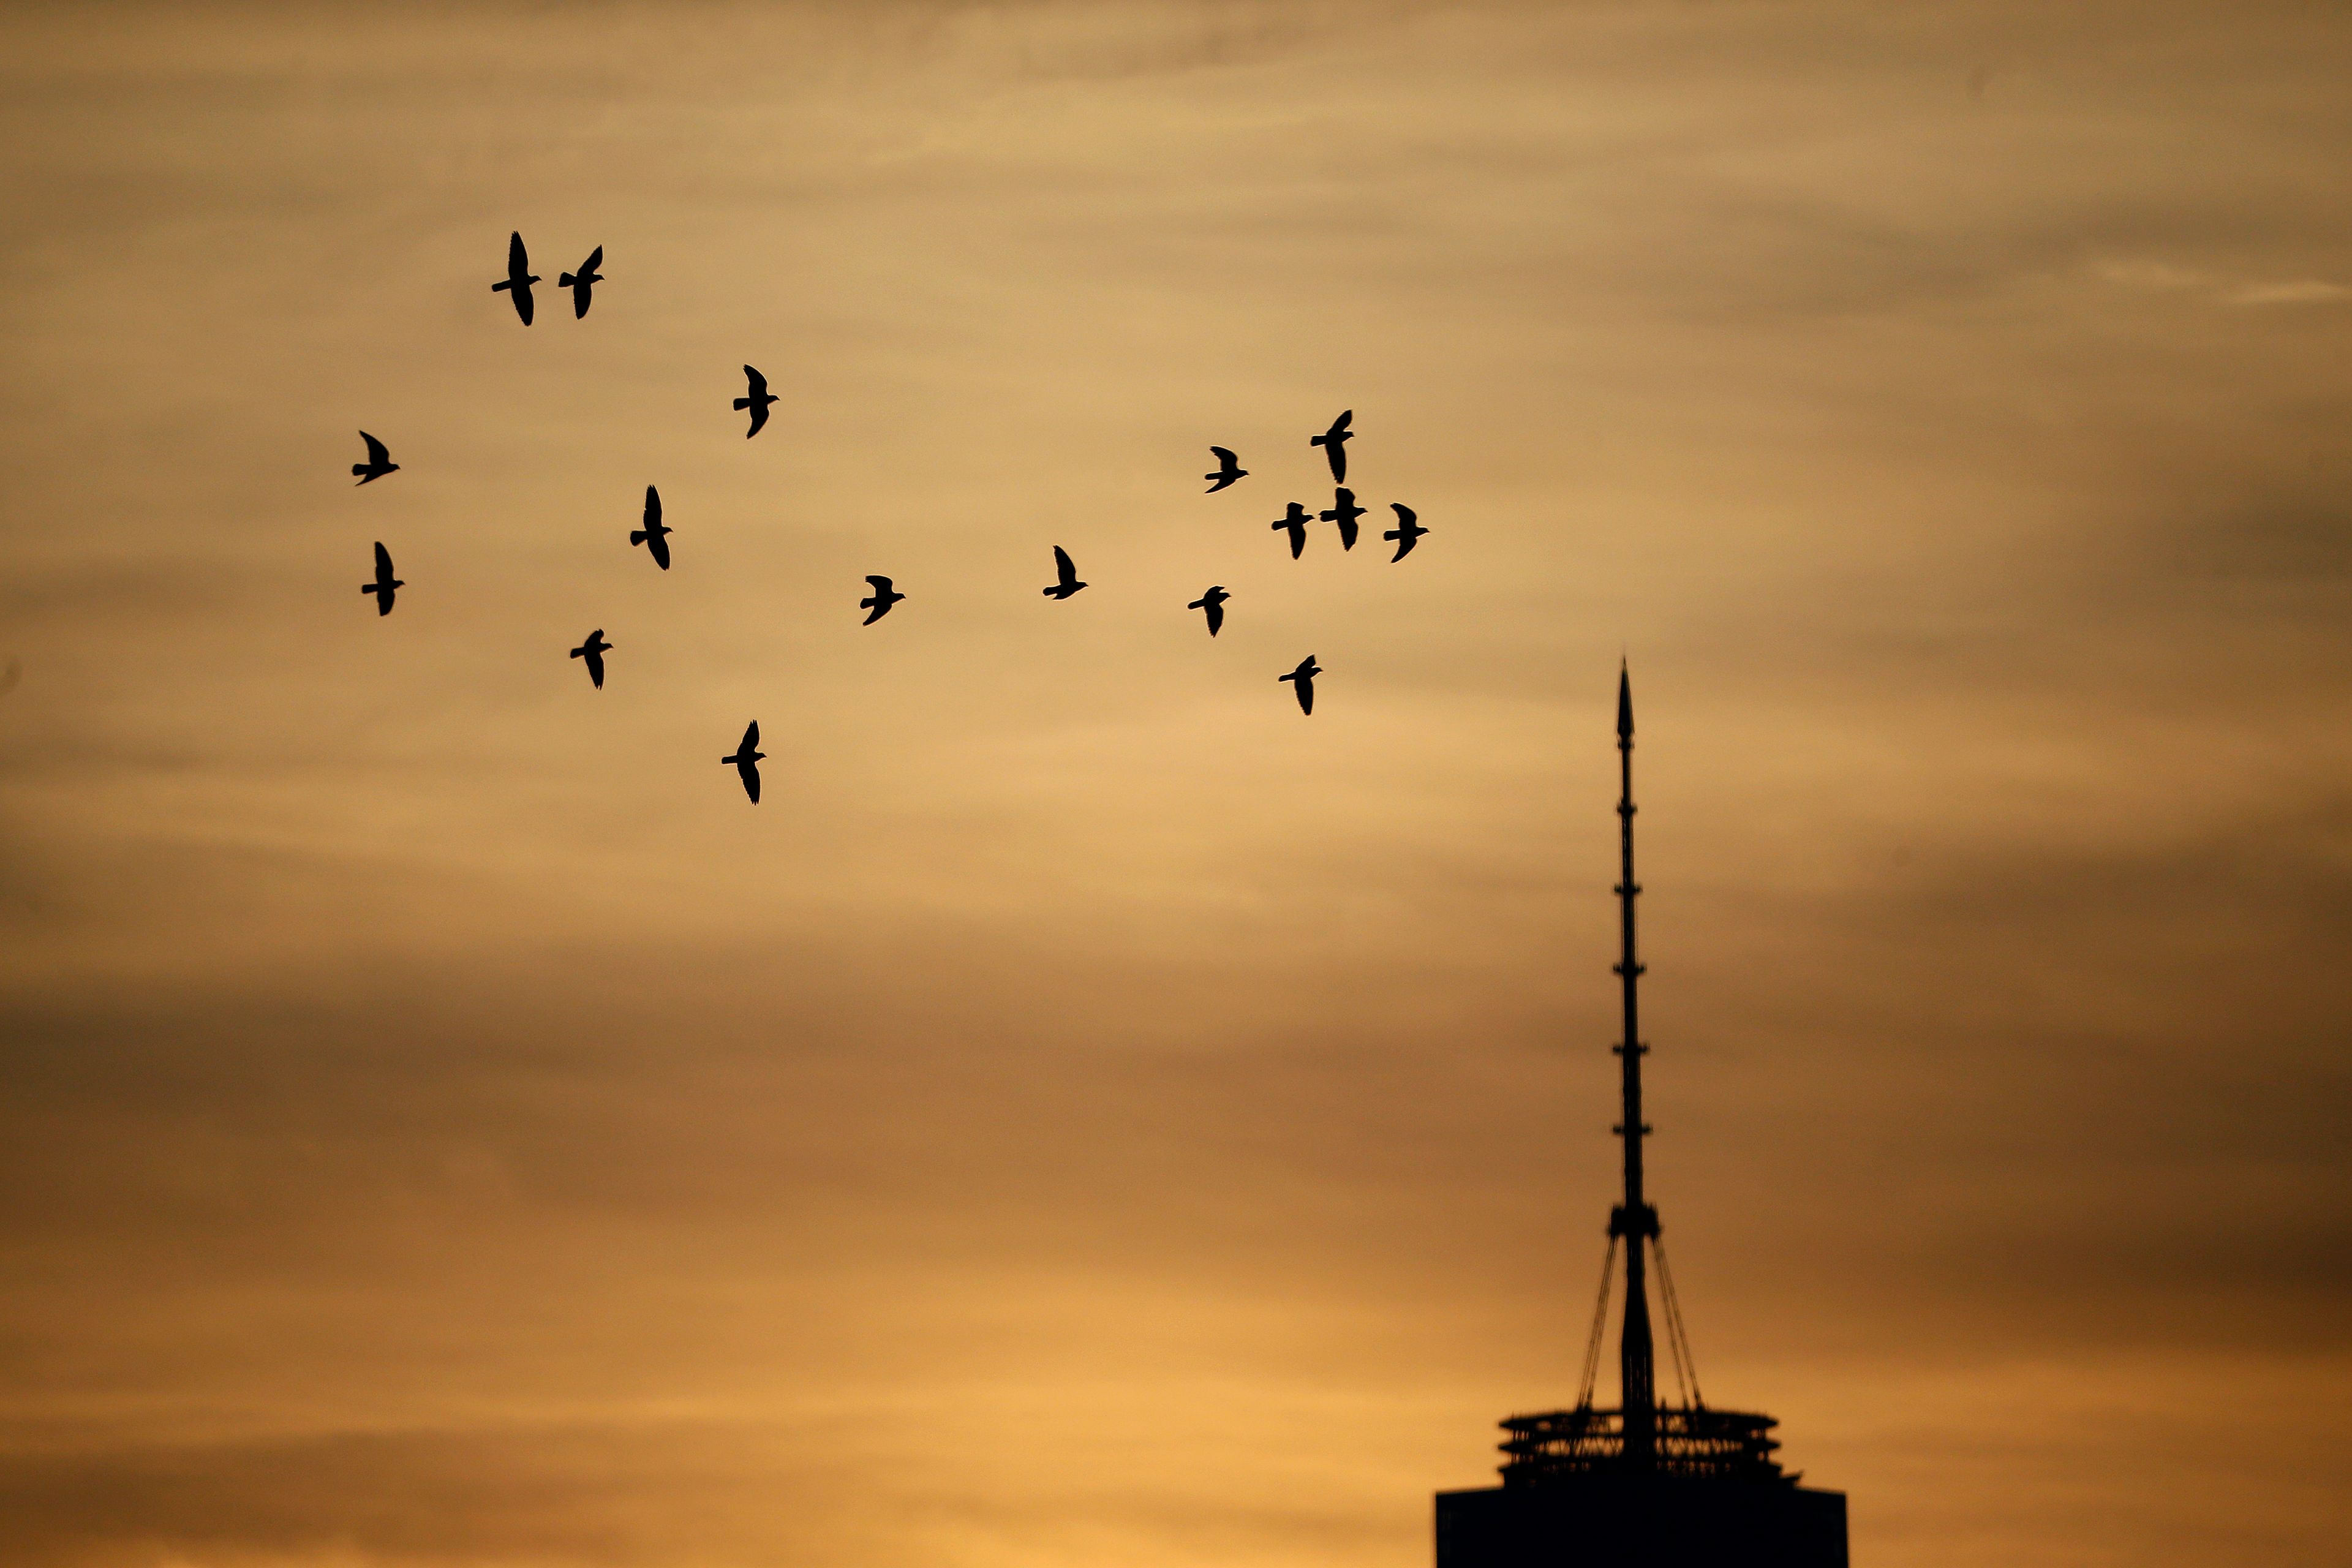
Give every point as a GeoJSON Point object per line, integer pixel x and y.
{"type": "Point", "coordinates": [1648, 1484]}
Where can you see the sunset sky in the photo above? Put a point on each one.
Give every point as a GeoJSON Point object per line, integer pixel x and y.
{"type": "Point", "coordinates": [1088, 1113]}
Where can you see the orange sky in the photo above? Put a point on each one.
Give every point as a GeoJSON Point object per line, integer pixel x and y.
{"type": "Point", "coordinates": [1088, 1113]}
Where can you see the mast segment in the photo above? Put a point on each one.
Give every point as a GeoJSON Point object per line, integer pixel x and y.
{"type": "Point", "coordinates": [1634, 1220]}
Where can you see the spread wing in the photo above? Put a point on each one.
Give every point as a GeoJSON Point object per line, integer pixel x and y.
{"type": "Point", "coordinates": [759, 383]}
{"type": "Point", "coordinates": [524, 305]}
{"type": "Point", "coordinates": [376, 453]}
{"type": "Point", "coordinates": [382, 560]}
{"type": "Point", "coordinates": [1216, 616]}
{"type": "Point", "coordinates": [652, 508]}
{"type": "Point", "coordinates": [660, 547]}
{"type": "Point", "coordinates": [1226, 459]}
{"type": "Point", "coordinates": [750, 771]}
{"type": "Point", "coordinates": [750, 738]}
{"type": "Point", "coordinates": [518, 258]}
{"type": "Point", "coordinates": [1407, 519]}
{"type": "Point", "coordinates": [596, 256]}
{"type": "Point", "coordinates": [1339, 426]}
{"type": "Point", "coordinates": [881, 586]}
{"type": "Point", "coordinates": [1063, 570]}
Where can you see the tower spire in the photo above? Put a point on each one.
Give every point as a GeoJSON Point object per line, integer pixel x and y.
{"type": "Point", "coordinates": [1634, 1220]}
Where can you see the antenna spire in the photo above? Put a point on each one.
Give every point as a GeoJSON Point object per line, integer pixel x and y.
{"type": "Point", "coordinates": [1634, 1219]}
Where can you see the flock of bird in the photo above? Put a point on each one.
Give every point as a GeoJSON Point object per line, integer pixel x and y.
{"type": "Point", "coordinates": [756, 401]}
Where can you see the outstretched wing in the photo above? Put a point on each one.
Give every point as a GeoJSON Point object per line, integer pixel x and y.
{"type": "Point", "coordinates": [382, 562]}
{"type": "Point", "coordinates": [518, 258]}
{"type": "Point", "coordinates": [377, 455]}
{"type": "Point", "coordinates": [524, 305]}
{"type": "Point", "coordinates": [595, 258]}
{"type": "Point", "coordinates": [1407, 519]}
{"type": "Point", "coordinates": [1063, 570]}
{"type": "Point", "coordinates": [1226, 459]}
{"type": "Point", "coordinates": [1339, 426]}
{"type": "Point", "coordinates": [881, 585]}
{"type": "Point", "coordinates": [1305, 688]}
{"type": "Point", "coordinates": [759, 383]}
{"type": "Point", "coordinates": [1216, 616]}
{"type": "Point", "coordinates": [750, 737]}
{"type": "Point", "coordinates": [652, 508]}
{"type": "Point", "coordinates": [751, 774]}
{"type": "Point", "coordinates": [659, 545]}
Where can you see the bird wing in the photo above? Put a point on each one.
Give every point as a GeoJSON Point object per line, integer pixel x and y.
{"type": "Point", "coordinates": [751, 775]}
{"type": "Point", "coordinates": [1406, 516]}
{"type": "Point", "coordinates": [660, 547]}
{"type": "Point", "coordinates": [759, 417]}
{"type": "Point", "coordinates": [594, 257]}
{"type": "Point", "coordinates": [376, 453]}
{"type": "Point", "coordinates": [383, 560]}
{"type": "Point", "coordinates": [1216, 617]}
{"type": "Point", "coordinates": [759, 383]}
{"type": "Point", "coordinates": [1306, 689]}
{"type": "Point", "coordinates": [1063, 570]}
{"type": "Point", "coordinates": [653, 508]}
{"type": "Point", "coordinates": [881, 585]}
{"type": "Point", "coordinates": [750, 737]}
{"type": "Point", "coordinates": [1226, 459]}
{"type": "Point", "coordinates": [1339, 426]}
{"type": "Point", "coordinates": [524, 306]}
{"type": "Point", "coordinates": [518, 258]}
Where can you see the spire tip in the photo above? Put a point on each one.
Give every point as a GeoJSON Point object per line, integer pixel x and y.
{"type": "Point", "coordinates": [1624, 703]}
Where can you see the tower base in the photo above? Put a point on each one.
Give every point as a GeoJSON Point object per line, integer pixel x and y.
{"type": "Point", "coordinates": [1622, 1519]}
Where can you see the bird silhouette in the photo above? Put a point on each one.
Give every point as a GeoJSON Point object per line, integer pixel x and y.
{"type": "Point", "coordinates": [518, 278]}
{"type": "Point", "coordinates": [1303, 682]}
{"type": "Point", "coordinates": [655, 535]}
{"type": "Point", "coordinates": [1344, 511]}
{"type": "Point", "coordinates": [384, 583]}
{"type": "Point", "coordinates": [1407, 532]}
{"type": "Point", "coordinates": [756, 400]}
{"type": "Point", "coordinates": [1228, 468]}
{"type": "Point", "coordinates": [1333, 443]}
{"type": "Point", "coordinates": [594, 650]}
{"type": "Point", "coordinates": [1213, 601]}
{"type": "Point", "coordinates": [580, 282]}
{"type": "Point", "coordinates": [1296, 519]}
{"type": "Point", "coordinates": [1065, 577]}
{"type": "Point", "coordinates": [884, 598]}
{"type": "Point", "coordinates": [746, 761]}
{"type": "Point", "coordinates": [378, 462]}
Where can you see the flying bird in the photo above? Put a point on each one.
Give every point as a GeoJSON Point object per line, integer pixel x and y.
{"type": "Point", "coordinates": [1213, 601]}
{"type": "Point", "coordinates": [746, 761]}
{"type": "Point", "coordinates": [379, 462]}
{"type": "Point", "coordinates": [1344, 511]}
{"type": "Point", "coordinates": [1303, 682]}
{"type": "Point", "coordinates": [1333, 443]}
{"type": "Point", "coordinates": [518, 278]}
{"type": "Point", "coordinates": [1065, 577]}
{"type": "Point", "coordinates": [580, 282]}
{"type": "Point", "coordinates": [594, 650]}
{"type": "Point", "coordinates": [384, 583]}
{"type": "Point", "coordinates": [1296, 519]}
{"type": "Point", "coordinates": [884, 598]}
{"type": "Point", "coordinates": [655, 535]}
{"type": "Point", "coordinates": [757, 400]}
{"type": "Point", "coordinates": [1228, 468]}
{"type": "Point", "coordinates": [1407, 532]}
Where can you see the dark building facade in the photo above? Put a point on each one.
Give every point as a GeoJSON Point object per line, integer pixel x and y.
{"type": "Point", "coordinates": [1651, 1483]}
